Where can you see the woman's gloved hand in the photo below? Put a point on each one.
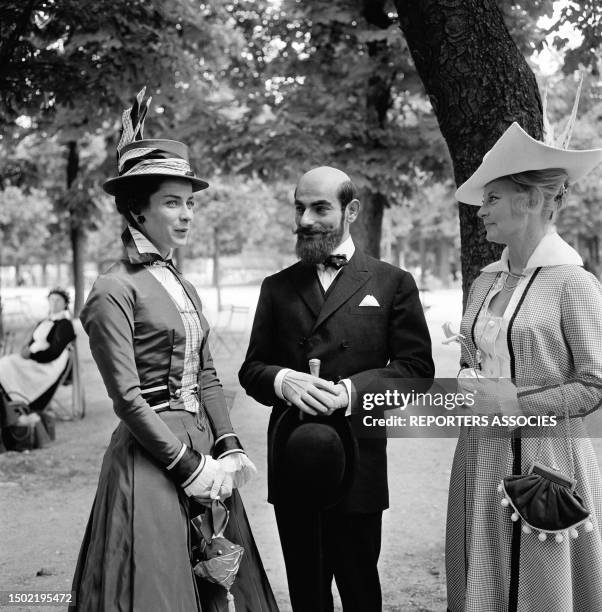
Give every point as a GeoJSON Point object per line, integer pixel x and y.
{"type": "Point", "coordinates": [239, 467]}
{"type": "Point", "coordinates": [211, 483]}
{"type": "Point", "coordinates": [489, 395]}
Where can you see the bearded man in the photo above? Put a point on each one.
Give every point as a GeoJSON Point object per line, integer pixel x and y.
{"type": "Point", "coordinates": [363, 320]}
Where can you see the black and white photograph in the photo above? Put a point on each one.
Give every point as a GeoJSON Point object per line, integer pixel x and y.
{"type": "Point", "coordinates": [301, 306]}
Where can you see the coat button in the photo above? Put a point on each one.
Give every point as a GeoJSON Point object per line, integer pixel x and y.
{"type": "Point", "coordinates": [302, 341]}
{"type": "Point", "coordinates": [344, 344]}
{"type": "Point", "coordinates": [177, 393]}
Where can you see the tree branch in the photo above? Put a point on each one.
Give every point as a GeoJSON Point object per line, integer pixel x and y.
{"type": "Point", "coordinates": [7, 49]}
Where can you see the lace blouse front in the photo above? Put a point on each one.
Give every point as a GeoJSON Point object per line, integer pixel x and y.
{"type": "Point", "coordinates": [194, 333]}
{"type": "Point", "coordinates": [490, 335]}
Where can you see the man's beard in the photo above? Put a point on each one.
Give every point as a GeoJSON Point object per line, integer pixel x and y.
{"type": "Point", "coordinates": [315, 245]}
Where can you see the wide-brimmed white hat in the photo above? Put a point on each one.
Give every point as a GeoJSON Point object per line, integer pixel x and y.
{"type": "Point", "coordinates": [515, 152]}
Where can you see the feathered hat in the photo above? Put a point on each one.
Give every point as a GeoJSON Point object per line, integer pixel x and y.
{"type": "Point", "coordinates": [516, 151]}
{"type": "Point", "coordinates": [151, 157]}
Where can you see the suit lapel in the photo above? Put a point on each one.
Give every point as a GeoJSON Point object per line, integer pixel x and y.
{"type": "Point", "coordinates": [305, 282]}
{"type": "Point", "coordinates": [355, 276]}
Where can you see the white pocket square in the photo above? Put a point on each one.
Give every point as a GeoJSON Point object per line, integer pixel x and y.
{"type": "Point", "coordinates": [369, 300]}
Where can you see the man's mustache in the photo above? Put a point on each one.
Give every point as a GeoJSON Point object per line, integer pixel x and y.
{"type": "Point", "coordinates": [302, 231]}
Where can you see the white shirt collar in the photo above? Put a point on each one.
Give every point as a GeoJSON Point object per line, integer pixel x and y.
{"type": "Point", "coordinates": [552, 250]}
{"type": "Point", "coordinates": [345, 248]}
{"type": "Point", "coordinates": [144, 245]}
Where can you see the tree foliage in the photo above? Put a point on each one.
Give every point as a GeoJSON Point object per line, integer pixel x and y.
{"type": "Point", "coordinates": [269, 89]}
{"type": "Point", "coordinates": [24, 218]}
{"type": "Point", "coordinates": [71, 66]}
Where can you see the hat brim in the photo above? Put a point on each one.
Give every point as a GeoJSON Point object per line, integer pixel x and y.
{"type": "Point", "coordinates": [515, 152]}
{"type": "Point", "coordinates": [111, 186]}
{"type": "Point", "coordinates": [287, 491]}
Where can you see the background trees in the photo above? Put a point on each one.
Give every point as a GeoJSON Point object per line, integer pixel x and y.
{"type": "Point", "coordinates": [402, 95]}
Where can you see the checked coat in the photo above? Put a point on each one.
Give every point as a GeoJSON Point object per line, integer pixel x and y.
{"type": "Point", "coordinates": [555, 344]}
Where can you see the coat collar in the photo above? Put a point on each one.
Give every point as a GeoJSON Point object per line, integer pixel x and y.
{"type": "Point", "coordinates": [552, 250]}
{"type": "Point", "coordinates": [139, 249]}
{"type": "Point", "coordinates": [57, 316]}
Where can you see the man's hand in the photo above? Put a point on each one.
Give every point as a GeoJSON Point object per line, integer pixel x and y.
{"type": "Point", "coordinates": [342, 400]}
{"type": "Point", "coordinates": [310, 394]}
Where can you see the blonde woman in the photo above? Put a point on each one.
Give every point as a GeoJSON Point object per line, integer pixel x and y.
{"type": "Point", "coordinates": [533, 320]}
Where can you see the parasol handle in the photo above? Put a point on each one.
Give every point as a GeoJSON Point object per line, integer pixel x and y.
{"type": "Point", "coordinates": [314, 370]}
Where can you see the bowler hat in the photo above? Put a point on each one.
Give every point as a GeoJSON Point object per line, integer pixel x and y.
{"type": "Point", "coordinates": [313, 458]}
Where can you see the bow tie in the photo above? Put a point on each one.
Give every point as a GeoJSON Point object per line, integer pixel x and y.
{"type": "Point", "coordinates": [162, 262]}
{"type": "Point", "coordinates": [158, 261]}
{"type": "Point", "coordinates": [336, 261]}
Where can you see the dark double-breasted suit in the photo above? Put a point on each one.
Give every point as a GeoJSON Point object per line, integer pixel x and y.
{"type": "Point", "coordinates": [372, 345]}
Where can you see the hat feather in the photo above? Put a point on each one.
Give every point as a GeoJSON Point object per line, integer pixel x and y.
{"type": "Point", "coordinates": [132, 120]}
{"type": "Point", "coordinates": [565, 138]}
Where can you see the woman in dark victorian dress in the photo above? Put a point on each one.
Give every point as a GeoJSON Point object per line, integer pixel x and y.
{"type": "Point", "coordinates": [174, 448]}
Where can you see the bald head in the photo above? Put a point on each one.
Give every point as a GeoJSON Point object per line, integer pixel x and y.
{"type": "Point", "coordinates": [325, 175]}
{"type": "Point", "coordinates": [332, 183]}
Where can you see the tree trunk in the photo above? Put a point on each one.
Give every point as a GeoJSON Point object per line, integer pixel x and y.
{"type": "Point", "coordinates": [478, 83]}
{"type": "Point", "coordinates": [216, 270]}
{"type": "Point", "coordinates": [77, 235]}
{"type": "Point", "coordinates": [423, 264]}
{"type": "Point", "coordinates": [44, 274]}
{"type": "Point", "coordinates": [367, 229]}
{"type": "Point", "coordinates": [443, 252]}
{"type": "Point", "coordinates": [78, 249]}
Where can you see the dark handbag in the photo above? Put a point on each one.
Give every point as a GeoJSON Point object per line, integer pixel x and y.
{"type": "Point", "coordinates": [18, 438]}
{"type": "Point", "coordinates": [21, 430]}
{"type": "Point", "coordinates": [11, 410]}
{"type": "Point", "coordinates": [545, 499]}
{"type": "Point", "coordinates": [214, 557]}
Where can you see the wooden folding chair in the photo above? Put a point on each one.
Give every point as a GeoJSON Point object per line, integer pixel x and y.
{"type": "Point", "coordinates": [230, 333]}
{"type": "Point", "coordinates": [71, 376]}
{"type": "Point", "coordinates": [7, 342]}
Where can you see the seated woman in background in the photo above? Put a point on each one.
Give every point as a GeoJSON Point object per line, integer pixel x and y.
{"type": "Point", "coordinates": [34, 373]}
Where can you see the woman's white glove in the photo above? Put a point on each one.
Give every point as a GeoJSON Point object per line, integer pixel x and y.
{"type": "Point", "coordinates": [490, 395]}
{"type": "Point", "coordinates": [211, 483]}
{"type": "Point", "coordinates": [239, 467]}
